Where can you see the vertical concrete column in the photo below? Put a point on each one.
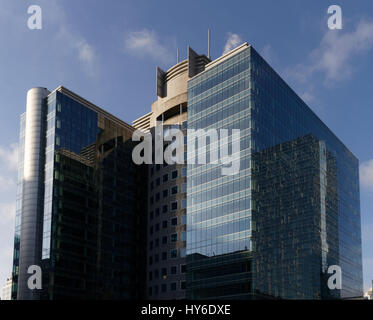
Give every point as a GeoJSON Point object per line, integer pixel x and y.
{"type": "Point", "coordinates": [33, 190]}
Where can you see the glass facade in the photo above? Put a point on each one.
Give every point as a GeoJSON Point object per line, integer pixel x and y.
{"type": "Point", "coordinates": [70, 126]}
{"type": "Point", "coordinates": [219, 207]}
{"type": "Point", "coordinates": [295, 240]}
{"type": "Point", "coordinates": [94, 214]}
{"type": "Point", "coordinates": [17, 232]}
{"type": "Point", "coordinates": [224, 225]}
{"type": "Point", "coordinates": [110, 229]}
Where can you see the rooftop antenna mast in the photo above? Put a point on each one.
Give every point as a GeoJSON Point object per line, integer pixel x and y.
{"type": "Point", "coordinates": [208, 43]}
{"type": "Point", "coordinates": [177, 55]}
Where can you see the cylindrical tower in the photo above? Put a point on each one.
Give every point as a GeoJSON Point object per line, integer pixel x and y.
{"type": "Point", "coordinates": [33, 190]}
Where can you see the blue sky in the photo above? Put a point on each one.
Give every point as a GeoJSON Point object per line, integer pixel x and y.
{"type": "Point", "coordinates": [106, 50]}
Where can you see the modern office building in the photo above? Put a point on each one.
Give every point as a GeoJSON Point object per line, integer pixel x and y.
{"type": "Point", "coordinates": [166, 248]}
{"type": "Point", "coordinates": [273, 229]}
{"type": "Point", "coordinates": [6, 293]}
{"type": "Point", "coordinates": [81, 202]}
{"type": "Point", "coordinates": [102, 227]}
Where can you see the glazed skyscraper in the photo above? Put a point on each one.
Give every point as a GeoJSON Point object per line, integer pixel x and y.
{"type": "Point", "coordinates": [102, 227]}
{"type": "Point", "coordinates": [273, 229]}
{"type": "Point", "coordinates": [78, 208]}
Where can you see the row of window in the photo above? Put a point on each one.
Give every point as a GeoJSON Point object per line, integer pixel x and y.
{"type": "Point", "coordinates": [173, 238]}
{"type": "Point", "coordinates": [164, 255]}
{"type": "Point", "coordinates": [174, 207]}
{"type": "Point", "coordinates": [173, 190]}
{"type": "Point", "coordinates": [174, 174]}
{"type": "Point", "coordinates": [173, 287]}
{"type": "Point", "coordinates": [174, 220]}
{"type": "Point", "coordinates": [173, 271]}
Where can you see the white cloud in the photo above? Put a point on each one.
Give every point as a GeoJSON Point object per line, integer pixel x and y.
{"type": "Point", "coordinates": [8, 167]}
{"type": "Point", "coordinates": [366, 174]}
{"type": "Point", "coordinates": [145, 43]}
{"type": "Point", "coordinates": [7, 211]}
{"type": "Point", "coordinates": [334, 55]}
{"type": "Point", "coordinates": [308, 96]}
{"type": "Point", "coordinates": [6, 183]}
{"type": "Point", "coordinates": [80, 47]}
{"type": "Point", "coordinates": [8, 175]}
{"type": "Point", "coordinates": [9, 156]}
{"type": "Point", "coordinates": [267, 53]}
{"type": "Point", "coordinates": [232, 42]}
{"type": "Point", "coordinates": [54, 16]}
{"type": "Point", "coordinates": [86, 52]}
{"type": "Point", "coordinates": [7, 221]}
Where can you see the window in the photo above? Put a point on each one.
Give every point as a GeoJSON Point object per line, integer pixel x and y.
{"type": "Point", "coordinates": [173, 254]}
{"type": "Point", "coordinates": [151, 245]}
{"type": "Point", "coordinates": [182, 285]}
{"type": "Point", "coordinates": [173, 286]}
{"type": "Point", "coordinates": [183, 204]}
{"type": "Point", "coordinates": [157, 167]}
{"type": "Point", "coordinates": [184, 172]}
{"type": "Point", "coordinates": [155, 289]}
{"type": "Point", "coordinates": [152, 170]}
{"type": "Point", "coordinates": [183, 219]}
{"type": "Point", "coordinates": [164, 240]}
{"type": "Point", "coordinates": [164, 256]}
{"type": "Point", "coordinates": [150, 291]}
{"type": "Point", "coordinates": [157, 196]}
{"type": "Point", "coordinates": [157, 212]}
{"type": "Point", "coordinates": [156, 258]}
{"type": "Point", "coordinates": [182, 252]}
{"type": "Point", "coordinates": [164, 272]}
{"type": "Point", "coordinates": [151, 230]}
{"type": "Point", "coordinates": [174, 237]}
{"type": "Point", "coordinates": [174, 221]}
{"type": "Point", "coordinates": [174, 205]}
{"type": "Point", "coordinates": [151, 215]}
{"type": "Point", "coordinates": [184, 187]}
{"type": "Point", "coordinates": [184, 125]}
{"type": "Point", "coordinates": [165, 193]}
{"type": "Point", "coordinates": [174, 174]}
{"type": "Point", "coordinates": [165, 177]}
{"type": "Point", "coordinates": [151, 200]}
{"type": "Point", "coordinates": [173, 270]}
{"type": "Point", "coordinates": [164, 287]}
{"type": "Point", "coordinates": [156, 274]}
{"type": "Point", "coordinates": [158, 181]}
{"type": "Point", "coordinates": [156, 242]}
{"type": "Point", "coordinates": [157, 227]}
{"type": "Point", "coordinates": [150, 260]}
{"type": "Point", "coordinates": [151, 185]}
{"type": "Point", "coordinates": [164, 224]}
{"type": "Point", "coordinates": [174, 190]}
{"type": "Point", "coordinates": [183, 268]}
{"type": "Point", "coordinates": [165, 208]}
{"type": "Point", "coordinates": [183, 236]}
